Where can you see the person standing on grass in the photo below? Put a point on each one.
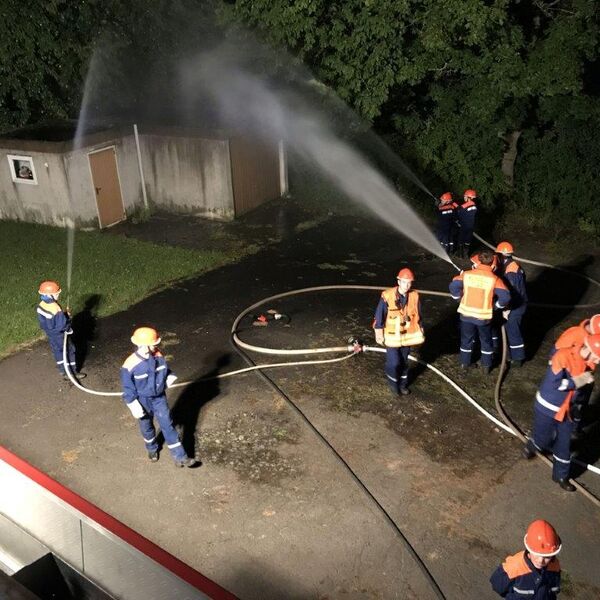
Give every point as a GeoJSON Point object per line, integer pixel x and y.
{"type": "Point", "coordinates": [533, 573]}
{"type": "Point", "coordinates": [55, 322]}
{"type": "Point", "coordinates": [144, 377]}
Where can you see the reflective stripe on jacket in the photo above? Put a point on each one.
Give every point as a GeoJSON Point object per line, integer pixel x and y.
{"type": "Point", "coordinates": [516, 578]}
{"type": "Point", "coordinates": [557, 389]}
{"type": "Point", "coordinates": [402, 327]}
{"type": "Point", "coordinates": [514, 277]}
{"type": "Point", "coordinates": [52, 319]}
{"type": "Point", "coordinates": [144, 377]}
{"type": "Point", "coordinates": [476, 289]}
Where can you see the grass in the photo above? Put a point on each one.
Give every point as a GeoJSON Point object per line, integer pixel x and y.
{"type": "Point", "coordinates": [121, 270]}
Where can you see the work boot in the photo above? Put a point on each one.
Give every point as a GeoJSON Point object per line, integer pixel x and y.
{"type": "Point", "coordinates": [516, 363]}
{"type": "Point", "coordinates": [403, 391]}
{"type": "Point", "coordinates": [565, 484]}
{"type": "Point", "coordinates": [81, 375]}
{"type": "Point", "coordinates": [486, 370]}
{"type": "Point", "coordinates": [188, 461]}
{"type": "Point", "coordinates": [528, 451]}
{"type": "Point", "coordinates": [465, 366]}
{"type": "Point", "coordinates": [153, 456]}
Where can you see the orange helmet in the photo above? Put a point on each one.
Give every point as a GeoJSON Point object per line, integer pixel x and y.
{"type": "Point", "coordinates": [505, 248]}
{"type": "Point", "coordinates": [592, 343]}
{"type": "Point", "coordinates": [470, 194]}
{"type": "Point", "coordinates": [541, 538]}
{"type": "Point", "coordinates": [446, 197]}
{"type": "Point", "coordinates": [145, 336]}
{"type": "Point", "coordinates": [49, 287]}
{"type": "Point", "coordinates": [594, 325]}
{"type": "Point", "coordinates": [406, 274]}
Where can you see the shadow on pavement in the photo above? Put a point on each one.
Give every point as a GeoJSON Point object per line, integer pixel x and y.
{"type": "Point", "coordinates": [84, 327]}
{"type": "Point", "coordinates": [186, 410]}
{"type": "Point", "coordinates": [552, 287]}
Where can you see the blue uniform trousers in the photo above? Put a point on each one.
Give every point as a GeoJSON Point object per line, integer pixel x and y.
{"type": "Point", "coordinates": [468, 331]}
{"type": "Point", "coordinates": [158, 407]}
{"type": "Point", "coordinates": [445, 233]}
{"type": "Point", "coordinates": [555, 436]}
{"type": "Point", "coordinates": [56, 345]}
{"type": "Point", "coordinates": [512, 326]}
{"type": "Point", "coordinates": [396, 367]}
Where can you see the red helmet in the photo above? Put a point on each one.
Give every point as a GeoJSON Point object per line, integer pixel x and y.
{"type": "Point", "coordinates": [594, 325]}
{"type": "Point", "coordinates": [406, 274]}
{"type": "Point", "coordinates": [145, 336]}
{"type": "Point", "coordinates": [541, 538]}
{"type": "Point", "coordinates": [470, 194]}
{"type": "Point", "coordinates": [592, 343]}
{"type": "Point", "coordinates": [446, 197]}
{"type": "Point", "coordinates": [49, 287]}
{"type": "Point", "coordinates": [505, 248]}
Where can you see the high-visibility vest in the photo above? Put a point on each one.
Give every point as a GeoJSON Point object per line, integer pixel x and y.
{"type": "Point", "coordinates": [478, 294]}
{"type": "Point", "coordinates": [402, 324]}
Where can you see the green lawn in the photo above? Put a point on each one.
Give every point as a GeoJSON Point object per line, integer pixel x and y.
{"type": "Point", "coordinates": [121, 270]}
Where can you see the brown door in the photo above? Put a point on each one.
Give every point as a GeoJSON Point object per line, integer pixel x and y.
{"type": "Point", "coordinates": [105, 177]}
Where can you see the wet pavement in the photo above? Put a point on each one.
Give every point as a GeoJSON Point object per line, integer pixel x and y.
{"type": "Point", "coordinates": [272, 513]}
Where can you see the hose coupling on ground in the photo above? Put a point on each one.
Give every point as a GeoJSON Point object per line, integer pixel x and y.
{"type": "Point", "coordinates": [355, 345]}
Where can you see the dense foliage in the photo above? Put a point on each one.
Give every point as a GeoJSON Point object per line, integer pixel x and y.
{"type": "Point", "coordinates": [500, 95]}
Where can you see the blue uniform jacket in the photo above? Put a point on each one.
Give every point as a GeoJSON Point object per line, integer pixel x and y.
{"type": "Point", "coordinates": [516, 579]}
{"type": "Point", "coordinates": [558, 384]}
{"type": "Point", "coordinates": [382, 310]}
{"type": "Point", "coordinates": [144, 377]}
{"type": "Point", "coordinates": [466, 214]}
{"type": "Point", "coordinates": [446, 215]}
{"type": "Point", "coordinates": [514, 277]}
{"type": "Point", "coordinates": [53, 321]}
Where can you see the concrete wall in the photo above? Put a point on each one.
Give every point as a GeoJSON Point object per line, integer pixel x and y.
{"type": "Point", "coordinates": [182, 174]}
{"type": "Point", "coordinates": [46, 202]}
{"type": "Point", "coordinates": [191, 175]}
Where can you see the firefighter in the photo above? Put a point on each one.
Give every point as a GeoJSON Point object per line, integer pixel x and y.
{"type": "Point", "coordinates": [446, 217]}
{"type": "Point", "coordinates": [574, 337]}
{"type": "Point", "coordinates": [466, 213]}
{"type": "Point", "coordinates": [514, 277]}
{"type": "Point", "coordinates": [398, 326]}
{"type": "Point", "coordinates": [569, 372]}
{"type": "Point", "coordinates": [534, 572]}
{"type": "Point", "coordinates": [480, 291]}
{"type": "Point", "coordinates": [55, 322]}
{"type": "Point", "coordinates": [144, 377]}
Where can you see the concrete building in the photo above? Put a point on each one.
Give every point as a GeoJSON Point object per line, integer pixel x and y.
{"type": "Point", "coordinates": [46, 176]}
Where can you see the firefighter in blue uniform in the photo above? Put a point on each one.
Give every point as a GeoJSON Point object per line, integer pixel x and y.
{"type": "Point", "coordinates": [446, 220]}
{"type": "Point", "coordinates": [398, 326]}
{"type": "Point", "coordinates": [533, 573]}
{"type": "Point", "coordinates": [466, 214]}
{"type": "Point", "coordinates": [569, 372]}
{"type": "Point", "coordinates": [479, 291]}
{"type": "Point", "coordinates": [514, 277]}
{"type": "Point", "coordinates": [55, 322]}
{"type": "Point", "coordinates": [144, 377]}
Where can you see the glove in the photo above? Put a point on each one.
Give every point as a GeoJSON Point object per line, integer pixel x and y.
{"type": "Point", "coordinates": [171, 379]}
{"type": "Point", "coordinates": [137, 410]}
{"type": "Point", "coordinates": [583, 379]}
{"type": "Point", "coordinates": [505, 314]}
{"type": "Point", "coordinates": [69, 331]}
{"type": "Point", "coordinates": [379, 337]}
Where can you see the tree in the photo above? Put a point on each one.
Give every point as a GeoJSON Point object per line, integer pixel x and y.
{"type": "Point", "coordinates": [483, 92]}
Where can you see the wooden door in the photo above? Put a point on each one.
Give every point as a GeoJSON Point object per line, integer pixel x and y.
{"type": "Point", "coordinates": [105, 177]}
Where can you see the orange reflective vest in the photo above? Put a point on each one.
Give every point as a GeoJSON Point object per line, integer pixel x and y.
{"type": "Point", "coordinates": [402, 325]}
{"type": "Point", "coordinates": [478, 292]}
